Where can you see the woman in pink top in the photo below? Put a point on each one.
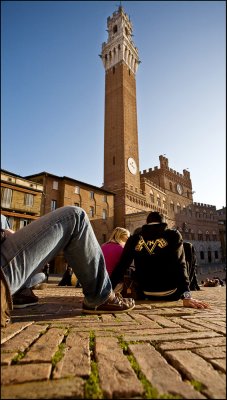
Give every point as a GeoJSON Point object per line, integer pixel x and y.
{"type": "Point", "coordinates": [112, 249]}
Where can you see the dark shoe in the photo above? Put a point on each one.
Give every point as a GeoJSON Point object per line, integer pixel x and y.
{"type": "Point", "coordinates": [114, 305]}
{"type": "Point", "coordinates": [24, 298]}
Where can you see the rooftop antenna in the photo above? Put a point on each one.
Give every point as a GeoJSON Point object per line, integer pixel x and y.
{"type": "Point", "coordinates": [120, 5]}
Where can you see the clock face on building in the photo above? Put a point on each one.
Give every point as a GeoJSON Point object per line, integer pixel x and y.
{"type": "Point", "coordinates": [132, 165]}
{"type": "Point", "coordinates": [179, 188]}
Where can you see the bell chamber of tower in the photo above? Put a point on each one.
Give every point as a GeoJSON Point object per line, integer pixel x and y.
{"type": "Point", "coordinates": [119, 46]}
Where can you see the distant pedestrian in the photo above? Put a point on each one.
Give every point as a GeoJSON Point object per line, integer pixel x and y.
{"type": "Point", "coordinates": [46, 270]}
{"type": "Point", "coordinates": [68, 278]}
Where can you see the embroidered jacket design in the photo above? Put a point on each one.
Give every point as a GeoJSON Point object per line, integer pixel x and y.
{"type": "Point", "coordinates": [150, 245]}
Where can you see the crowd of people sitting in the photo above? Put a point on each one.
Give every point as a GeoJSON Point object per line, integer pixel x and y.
{"type": "Point", "coordinates": [213, 282]}
{"type": "Point", "coordinates": [163, 266]}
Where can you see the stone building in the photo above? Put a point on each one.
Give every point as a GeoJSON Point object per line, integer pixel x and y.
{"type": "Point", "coordinates": [20, 199]}
{"type": "Point", "coordinates": [62, 191]}
{"type": "Point", "coordinates": [222, 231]}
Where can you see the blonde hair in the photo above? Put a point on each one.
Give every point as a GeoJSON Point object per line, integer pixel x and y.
{"type": "Point", "coordinates": [118, 233]}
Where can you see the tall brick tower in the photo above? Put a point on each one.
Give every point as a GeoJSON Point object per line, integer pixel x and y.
{"type": "Point", "coordinates": [121, 156]}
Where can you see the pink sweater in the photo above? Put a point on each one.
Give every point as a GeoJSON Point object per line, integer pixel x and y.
{"type": "Point", "coordinates": [112, 254]}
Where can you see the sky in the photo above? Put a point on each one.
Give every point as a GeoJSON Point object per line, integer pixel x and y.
{"type": "Point", "coordinates": [53, 87]}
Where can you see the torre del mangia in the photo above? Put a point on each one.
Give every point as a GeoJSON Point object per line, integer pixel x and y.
{"type": "Point", "coordinates": [136, 193]}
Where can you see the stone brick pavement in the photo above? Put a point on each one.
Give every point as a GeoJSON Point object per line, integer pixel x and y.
{"type": "Point", "coordinates": [158, 350]}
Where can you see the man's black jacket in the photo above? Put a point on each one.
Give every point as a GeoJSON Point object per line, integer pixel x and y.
{"type": "Point", "coordinates": [159, 259]}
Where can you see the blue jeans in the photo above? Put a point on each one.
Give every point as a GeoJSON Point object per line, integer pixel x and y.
{"type": "Point", "coordinates": [25, 252]}
{"type": "Point", "coordinates": [35, 280]}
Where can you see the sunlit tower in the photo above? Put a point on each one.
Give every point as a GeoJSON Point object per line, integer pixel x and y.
{"type": "Point", "coordinates": [121, 155]}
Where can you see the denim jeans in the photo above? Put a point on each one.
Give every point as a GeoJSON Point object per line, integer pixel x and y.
{"type": "Point", "coordinates": [35, 280]}
{"type": "Point", "coordinates": [25, 252]}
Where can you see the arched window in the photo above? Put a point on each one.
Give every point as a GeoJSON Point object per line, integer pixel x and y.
{"type": "Point", "coordinates": [152, 196]}
{"type": "Point", "coordinates": [207, 236]}
{"type": "Point", "coordinates": [6, 197]}
{"type": "Point", "coordinates": [171, 206]}
{"type": "Point", "coordinates": [214, 235]}
{"type": "Point", "coordinates": [92, 212]}
{"type": "Point", "coordinates": [104, 214]}
{"type": "Point", "coordinates": [201, 255]}
{"type": "Point", "coordinates": [164, 202]}
{"type": "Point", "coordinates": [209, 256]}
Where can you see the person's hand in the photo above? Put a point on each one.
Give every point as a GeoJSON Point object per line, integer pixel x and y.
{"type": "Point", "coordinates": [9, 232]}
{"type": "Point", "coordinates": [193, 303]}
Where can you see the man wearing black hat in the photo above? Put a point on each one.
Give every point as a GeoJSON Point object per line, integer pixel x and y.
{"type": "Point", "coordinates": [159, 260]}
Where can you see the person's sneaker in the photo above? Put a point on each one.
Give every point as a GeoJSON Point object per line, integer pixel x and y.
{"type": "Point", "coordinates": [114, 305]}
{"type": "Point", "coordinates": [24, 298]}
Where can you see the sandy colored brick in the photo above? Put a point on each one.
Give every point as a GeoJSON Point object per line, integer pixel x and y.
{"type": "Point", "coordinates": [29, 372]}
{"type": "Point", "coordinates": [12, 329]}
{"type": "Point", "coordinates": [45, 347]}
{"type": "Point", "coordinates": [24, 339]}
{"type": "Point", "coordinates": [219, 363]}
{"type": "Point", "coordinates": [117, 378]}
{"type": "Point", "coordinates": [158, 336]}
{"type": "Point", "coordinates": [76, 360]}
{"type": "Point", "coordinates": [160, 374]}
{"type": "Point", "coordinates": [196, 368]}
{"type": "Point", "coordinates": [192, 344]}
{"type": "Point", "coordinates": [64, 388]}
{"type": "Point", "coordinates": [212, 352]}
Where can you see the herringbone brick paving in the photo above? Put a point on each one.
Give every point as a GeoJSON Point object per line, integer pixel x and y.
{"type": "Point", "coordinates": [158, 350]}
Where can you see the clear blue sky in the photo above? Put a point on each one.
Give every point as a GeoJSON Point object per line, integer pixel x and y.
{"type": "Point", "coordinates": [53, 88]}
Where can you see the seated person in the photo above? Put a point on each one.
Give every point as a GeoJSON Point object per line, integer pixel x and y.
{"type": "Point", "coordinates": [159, 260]}
{"type": "Point", "coordinates": [25, 296]}
{"type": "Point", "coordinates": [112, 250]}
{"type": "Point", "coordinates": [211, 283]}
{"type": "Point", "coordinates": [25, 252]}
{"type": "Point", "coordinates": [69, 278]}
